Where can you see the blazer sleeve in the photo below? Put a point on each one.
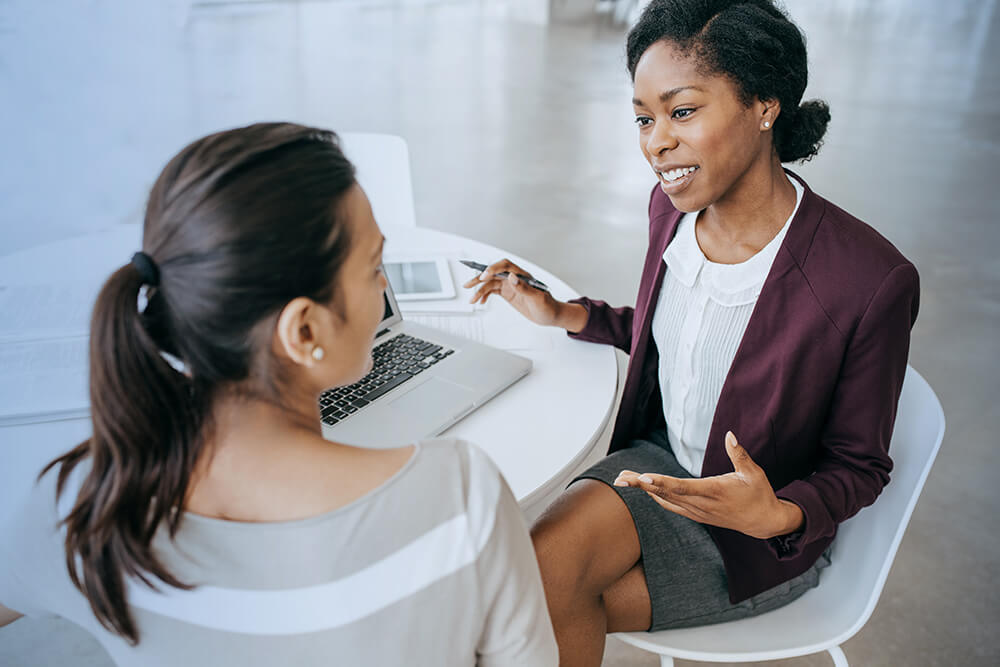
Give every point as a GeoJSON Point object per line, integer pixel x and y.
{"type": "Point", "coordinates": [854, 462]}
{"type": "Point", "coordinates": [607, 325]}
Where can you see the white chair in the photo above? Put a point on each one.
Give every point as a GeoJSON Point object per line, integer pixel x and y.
{"type": "Point", "coordinates": [833, 612]}
{"type": "Point", "coordinates": [383, 171]}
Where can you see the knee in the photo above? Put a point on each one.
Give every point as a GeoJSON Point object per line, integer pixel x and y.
{"type": "Point", "coordinates": [550, 540]}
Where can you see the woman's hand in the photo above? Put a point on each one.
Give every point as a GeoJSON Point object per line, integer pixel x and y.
{"type": "Point", "coordinates": [537, 305]}
{"type": "Point", "coordinates": [742, 500]}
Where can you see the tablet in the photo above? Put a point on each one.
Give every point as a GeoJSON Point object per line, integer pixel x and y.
{"type": "Point", "coordinates": [418, 279]}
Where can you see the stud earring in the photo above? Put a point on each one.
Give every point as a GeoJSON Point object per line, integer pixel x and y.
{"type": "Point", "coordinates": [317, 353]}
{"type": "Point", "coordinates": [767, 124]}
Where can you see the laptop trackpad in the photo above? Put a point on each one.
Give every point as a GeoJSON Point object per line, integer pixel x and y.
{"type": "Point", "coordinates": [435, 397]}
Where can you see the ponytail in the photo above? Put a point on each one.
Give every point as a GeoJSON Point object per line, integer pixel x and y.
{"type": "Point", "coordinates": [239, 222]}
{"type": "Point", "coordinates": [148, 431]}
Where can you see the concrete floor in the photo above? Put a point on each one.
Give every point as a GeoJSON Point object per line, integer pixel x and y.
{"type": "Point", "coordinates": [521, 136]}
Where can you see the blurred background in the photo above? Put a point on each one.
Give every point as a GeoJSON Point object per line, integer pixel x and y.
{"type": "Point", "coordinates": [518, 118]}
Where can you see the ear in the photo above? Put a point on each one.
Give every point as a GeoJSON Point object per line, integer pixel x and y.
{"type": "Point", "coordinates": [298, 331]}
{"type": "Point", "coordinates": [768, 112]}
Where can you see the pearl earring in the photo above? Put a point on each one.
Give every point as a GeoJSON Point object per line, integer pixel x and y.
{"type": "Point", "coordinates": [767, 124]}
{"type": "Point", "coordinates": [317, 353]}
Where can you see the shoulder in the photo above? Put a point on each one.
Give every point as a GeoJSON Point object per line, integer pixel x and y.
{"type": "Point", "coordinates": [476, 476]}
{"type": "Point", "coordinates": [842, 236]}
{"type": "Point", "coordinates": [459, 455]}
{"type": "Point", "coordinates": [848, 263]}
{"type": "Point", "coordinates": [663, 216]}
{"type": "Point", "coordinates": [660, 204]}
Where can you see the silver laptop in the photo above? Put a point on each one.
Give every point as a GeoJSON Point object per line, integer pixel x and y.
{"type": "Point", "coordinates": [423, 381]}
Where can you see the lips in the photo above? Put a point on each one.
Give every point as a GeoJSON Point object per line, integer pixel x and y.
{"type": "Point", "coordinates": [673, 179]}
{"type": "Point", "coordinates": [674, 173]}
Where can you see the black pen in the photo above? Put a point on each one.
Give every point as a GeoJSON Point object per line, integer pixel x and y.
{"type": "Point", "coordinates": [531, 282]}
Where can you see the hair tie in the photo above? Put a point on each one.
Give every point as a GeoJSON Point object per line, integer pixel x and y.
{"type": "Point", "coordinates": [147, 269]}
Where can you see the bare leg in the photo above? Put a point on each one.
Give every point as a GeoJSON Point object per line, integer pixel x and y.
{"type": "Point", "coordinates": [626, 603]}
{"type": "Point", "coordinates": [586, 543]}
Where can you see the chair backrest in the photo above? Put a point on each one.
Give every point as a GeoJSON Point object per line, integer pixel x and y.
{"type": "Point", "coordinates": [383, 170]}
{"type": "Point", "coordinates": [866, 544]}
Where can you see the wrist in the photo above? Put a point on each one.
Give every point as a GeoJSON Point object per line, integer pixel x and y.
{"type": "Point", "coordinates": [571, 316]}
{"type": "Point", "coordinates": [791, 518]}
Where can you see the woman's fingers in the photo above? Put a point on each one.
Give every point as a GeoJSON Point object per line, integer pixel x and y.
{"type": "Point", "coordinates": [504, 265]}
{"type": "Point", "coordinates": [487, 288]}
{"type": "Point", "coordinates": [626, 478]}
{"type": "Point", "coordinates": [509, 285]}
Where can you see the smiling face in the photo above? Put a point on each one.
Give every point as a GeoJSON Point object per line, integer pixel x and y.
{"type": "Point", "coordinates": [698, 136]}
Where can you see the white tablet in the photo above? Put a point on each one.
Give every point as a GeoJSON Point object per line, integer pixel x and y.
{"type": "Point", "coordinates": [418, 279]}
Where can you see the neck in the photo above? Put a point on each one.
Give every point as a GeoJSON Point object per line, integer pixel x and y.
{"type": "Point", "coordinates": [248, 420]}
{"type": "Point", "coordinates": [247, 429]}
{"type": "Point", "coordinates": [755, 207]}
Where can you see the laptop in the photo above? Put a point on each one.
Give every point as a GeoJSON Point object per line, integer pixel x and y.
{"type": "Point", "coordinates": [423, 381]}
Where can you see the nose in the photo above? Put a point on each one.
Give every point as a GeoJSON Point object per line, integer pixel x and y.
{"type": "Point", "coordinates": [660, 138]}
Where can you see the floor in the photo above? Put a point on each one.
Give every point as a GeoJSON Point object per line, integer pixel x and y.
{"type": "Point", "coordinates": [520, 135]}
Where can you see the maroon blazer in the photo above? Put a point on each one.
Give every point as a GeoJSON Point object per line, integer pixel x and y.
{"type": "Point", "coordinates": [812, 391]}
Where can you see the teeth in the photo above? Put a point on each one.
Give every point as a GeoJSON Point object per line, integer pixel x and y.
{"type": "Point", "coordinates": [674, 174]}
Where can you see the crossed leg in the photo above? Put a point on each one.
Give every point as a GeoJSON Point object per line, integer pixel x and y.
{"type": "Point", "coordinates": [588, 553]}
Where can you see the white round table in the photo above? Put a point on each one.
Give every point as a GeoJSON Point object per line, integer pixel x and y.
{"type": "Point", "coordinates": [540, 432]}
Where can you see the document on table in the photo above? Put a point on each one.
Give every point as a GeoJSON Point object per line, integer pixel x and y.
{"type": "Point", "coordinates": [495, 324]}
{"type": "Point", "coordinates": [43, 352]}
{"type": "Point", "coordinates": [499, 327]}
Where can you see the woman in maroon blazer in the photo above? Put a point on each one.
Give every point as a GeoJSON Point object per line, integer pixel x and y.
{"type": "Point", "coordinates": [767, 346]}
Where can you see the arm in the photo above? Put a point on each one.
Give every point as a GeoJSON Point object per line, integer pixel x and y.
{"type": "Point", "coordinates": [854, 462]}
{"type": "Point", "coordinates": [604, 324]}
{"type": "Point", "coordinates": [517, 630]}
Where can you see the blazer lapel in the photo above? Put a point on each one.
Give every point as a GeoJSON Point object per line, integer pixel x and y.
{"type": "Point", "coordinates": [663, 232]}
{"type": "Point", "coordinates": [741, 406]}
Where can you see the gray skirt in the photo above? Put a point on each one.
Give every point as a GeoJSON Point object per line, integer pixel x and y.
{"type": "Point", "coordinates": [684, 571]}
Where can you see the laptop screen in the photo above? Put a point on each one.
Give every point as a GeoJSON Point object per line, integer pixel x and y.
{"type": "Point", "coordinates": [388, 308]}
{"type": "Point", "coordinates": [391, 315]}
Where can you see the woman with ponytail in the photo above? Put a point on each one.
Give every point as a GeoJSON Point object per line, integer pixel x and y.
{"type": "Point", "coordinates": [207, 521]}
{"type": "Point", "coordinates": [767, 346]}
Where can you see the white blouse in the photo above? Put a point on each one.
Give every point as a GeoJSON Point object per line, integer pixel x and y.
{"type": "Point", "coordinates": [701, 315]}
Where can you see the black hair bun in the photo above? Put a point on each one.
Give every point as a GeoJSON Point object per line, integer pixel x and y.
{"type": "Point", "coordinates": [799, 135]}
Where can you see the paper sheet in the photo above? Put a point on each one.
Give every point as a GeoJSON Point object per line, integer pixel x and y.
{"type": "Point", "coordinates": [500, 327]}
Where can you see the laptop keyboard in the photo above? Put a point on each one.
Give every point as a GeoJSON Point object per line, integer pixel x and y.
{"type": "Point", "coordinates": [396, 361]}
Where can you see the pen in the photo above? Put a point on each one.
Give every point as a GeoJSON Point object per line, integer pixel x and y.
{"type": "Point", "coordinates": [531, 282]}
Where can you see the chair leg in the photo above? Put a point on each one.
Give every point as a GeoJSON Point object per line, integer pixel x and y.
{"type": "Point", "coordinates": [666, 661]}
{"type": "Point", "coordinates": [839, 659]}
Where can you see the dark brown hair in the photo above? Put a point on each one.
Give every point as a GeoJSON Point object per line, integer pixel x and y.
{"type": "Point", "coordinates": [238, 224]}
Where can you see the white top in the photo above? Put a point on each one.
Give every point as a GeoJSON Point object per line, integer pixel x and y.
{"type": "Point", "coordinates": [701, 315]}
{"type": "Point", "coordinates": [433, 567]}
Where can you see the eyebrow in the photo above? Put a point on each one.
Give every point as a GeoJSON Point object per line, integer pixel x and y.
{"type": "Point", "coordinates": [378, 250]}
{"type": "Point", "coordinates": [666, 95]}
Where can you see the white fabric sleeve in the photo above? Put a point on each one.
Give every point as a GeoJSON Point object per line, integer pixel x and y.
{"type": "Point", "coordinates": [517, 629]}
